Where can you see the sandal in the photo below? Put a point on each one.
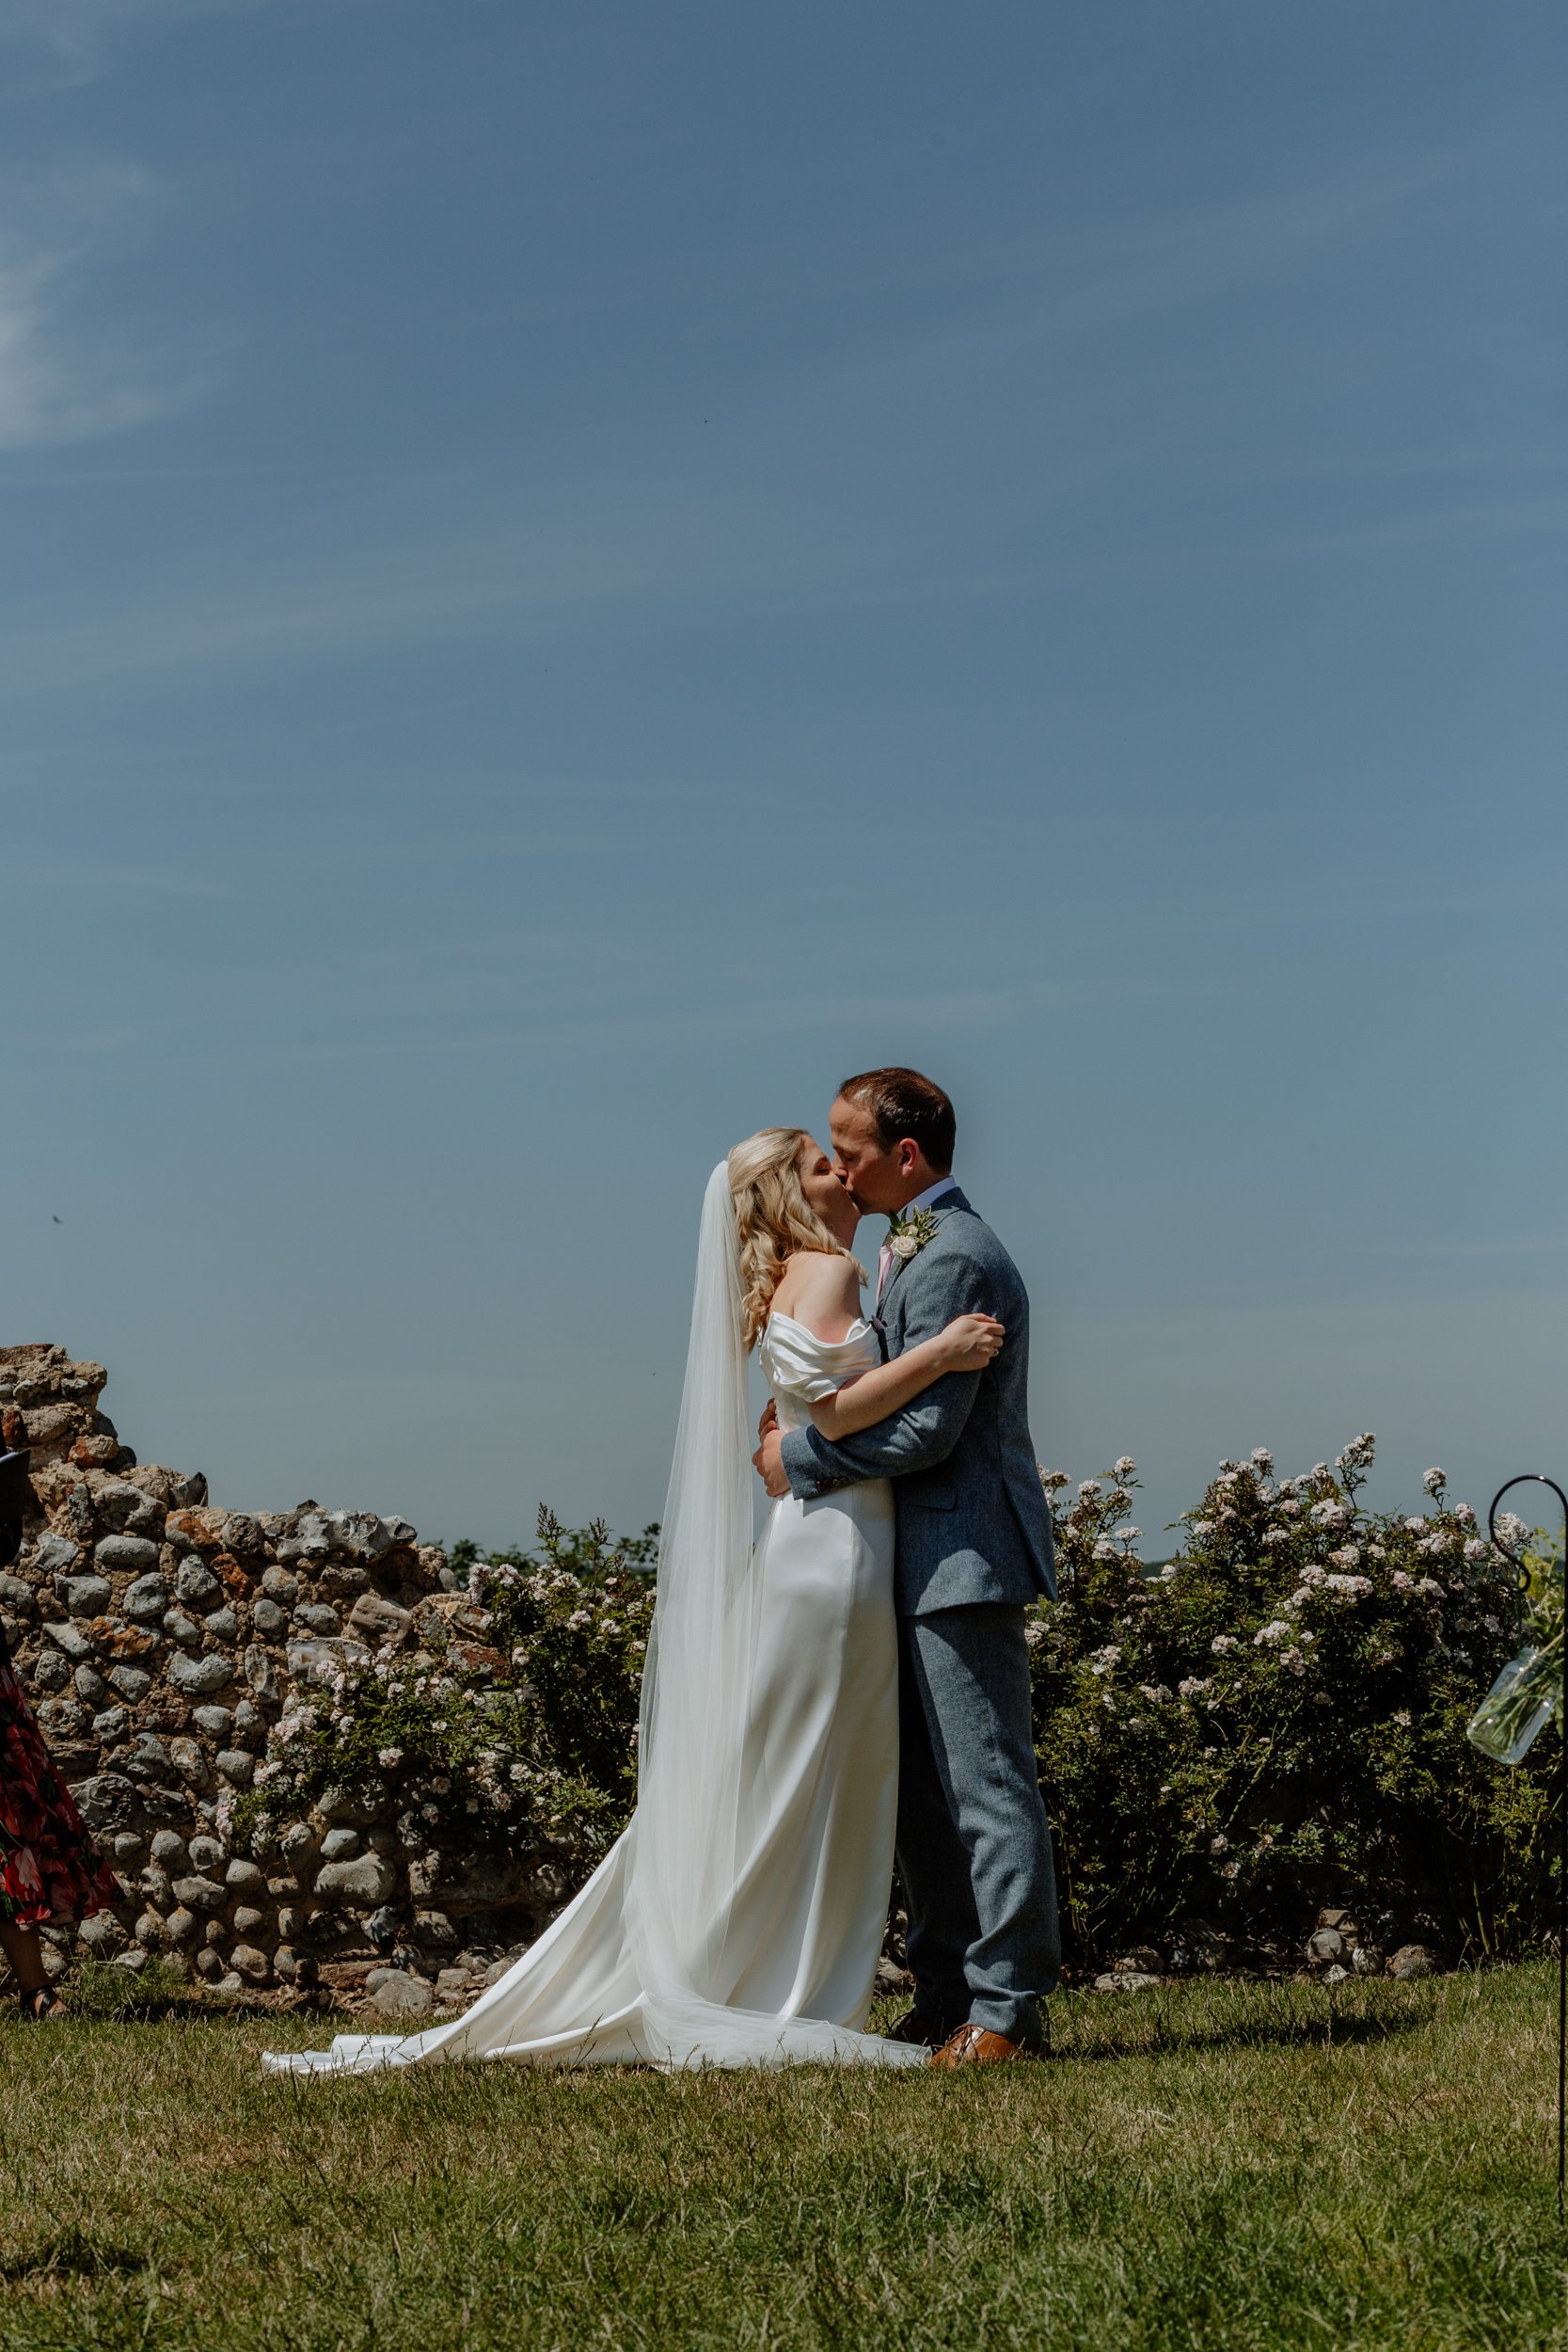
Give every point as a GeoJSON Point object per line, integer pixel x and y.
{"type": "Point", "coordinates": [42, 2004]}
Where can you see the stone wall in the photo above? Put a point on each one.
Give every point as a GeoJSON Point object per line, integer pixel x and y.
{"type": "Point", "coordinates": [160, 1636]}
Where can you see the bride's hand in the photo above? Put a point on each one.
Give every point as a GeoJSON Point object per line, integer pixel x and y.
{"type": "Point", "coordinates": [969, 1343]}
{"type": "Point", "coordinates": [770, 1421]}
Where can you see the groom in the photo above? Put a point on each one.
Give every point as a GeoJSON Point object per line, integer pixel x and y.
{"type": "Point", "coordinates": [975, 1548]}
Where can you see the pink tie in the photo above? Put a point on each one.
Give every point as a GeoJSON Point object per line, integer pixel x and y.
{"type": "Point", "coordinates": [884, 1261]}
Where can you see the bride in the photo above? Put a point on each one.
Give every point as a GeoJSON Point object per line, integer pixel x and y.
{"type": "Point", "coordinates": [739, 1920]}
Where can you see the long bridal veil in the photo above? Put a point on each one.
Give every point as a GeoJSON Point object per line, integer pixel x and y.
{"type": "Point", "coordinates": [700, 1814]}
{"type": "Point", "coordinates": [722, 1862]}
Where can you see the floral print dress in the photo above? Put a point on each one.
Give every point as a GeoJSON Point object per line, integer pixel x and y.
{"type": "Point", "coordinates": [50, 1871]}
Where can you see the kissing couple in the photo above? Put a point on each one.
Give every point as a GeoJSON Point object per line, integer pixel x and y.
{"type": "Point", "coordinates": [855, 1683]}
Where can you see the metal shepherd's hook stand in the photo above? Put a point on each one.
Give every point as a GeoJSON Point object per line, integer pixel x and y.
{"type": "Point", "coordinates": [1521, 1574]}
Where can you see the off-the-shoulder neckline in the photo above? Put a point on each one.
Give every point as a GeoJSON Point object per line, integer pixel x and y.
{"type": "Point", "coordinates": [861, 1324]}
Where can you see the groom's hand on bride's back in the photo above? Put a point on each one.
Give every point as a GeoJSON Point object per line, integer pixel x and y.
{"type": "Point", "coordinates": [769, 1418]}
{"type": "Point", "coordinates": [768, 1461]}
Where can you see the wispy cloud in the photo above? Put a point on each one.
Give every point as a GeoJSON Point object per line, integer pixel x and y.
{"type": "Point", "coordinates": [73, 41]}
{"type": "Point", "coordinates": [64, 377]}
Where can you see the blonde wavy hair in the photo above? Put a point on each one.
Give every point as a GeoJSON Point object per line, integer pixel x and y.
{"type": "Point", "coordinates": [773, 1219]}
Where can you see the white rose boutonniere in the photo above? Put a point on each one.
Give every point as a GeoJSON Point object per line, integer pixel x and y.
{"type": "Point", "coordinates": [906, 1237]}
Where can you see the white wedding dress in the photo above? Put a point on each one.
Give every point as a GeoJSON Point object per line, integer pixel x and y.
{"type": "Point", "coordinates": [739, 1920]}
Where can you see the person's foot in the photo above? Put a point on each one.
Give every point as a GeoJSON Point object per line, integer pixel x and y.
{"type": "Point", "coordinates": [42, 2002]}
{"type": "Point", "coordinates": [917, 2030]}
{"type": "Point", "coordinates": [976, 2045]}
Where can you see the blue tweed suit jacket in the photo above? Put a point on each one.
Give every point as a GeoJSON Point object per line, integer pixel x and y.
{"type": "Point", "coordinates": [973, 1523]}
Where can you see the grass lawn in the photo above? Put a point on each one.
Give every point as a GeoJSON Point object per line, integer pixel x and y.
{"type": "Point", "coordinates": [1226, 2165]}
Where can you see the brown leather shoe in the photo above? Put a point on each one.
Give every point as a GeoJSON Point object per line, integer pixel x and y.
{"type": "Point", "coordinates": [974, 2045]}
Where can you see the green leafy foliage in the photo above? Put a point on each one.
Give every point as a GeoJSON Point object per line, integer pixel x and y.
{"type": "Point", "coordinates": [1275, 1718]}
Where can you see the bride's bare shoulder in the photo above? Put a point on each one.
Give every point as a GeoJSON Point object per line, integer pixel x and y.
{"type": "Point", "coordinates": [817, 1282]}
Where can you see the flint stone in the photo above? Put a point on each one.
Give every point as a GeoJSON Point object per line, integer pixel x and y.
{"type": "Point", "coordinates": [345, 1575]}
{"type": "Point", "coordinates": [85, 1595]}
{"type": "Point", "coordinates": [136, 1553]}
{"type": "Point", "coordinates": [258, 1672]}
{"type": "Point", "coordinates": [206, 1853]}
{"type": "Point", "coordinates": [15, 1594]}
{"type": "Point", "coordinates": [151, 1759]}
{"type": "Point", "coordinates": [292, 1967]}
{"type": "Point", "coordinates": [268, 1618]}
{"type": "Point", "coordinates": [105, 1801]}
{"type": "Point", "coordinates": [127, 1510]}
{"type": "Point", "coordinates": [1327, 1943]}
{"type": "Point", "coordinates": [50, 1671]}
{"type": "Point", "coordinates": [127, 1640]}
{"type": "Point", "coordinates": [242, 1872]}
{"type": "Point", "coordinates": [247, 1962]}
{"type": "Point", "coordinates": [181, 1629]}
{"type": "Point", "coordinates": [223, 1626]}
{"type": "Point", "coordinates": [88, 1684]}
{"type": "Point", "coordinates": [131, 1683]}
{"type": "Point", "coordinates": [400, 1995]}
{"type": "Point", "coordinates": [133, 1962]}
{"type": "Point", "coordinates": [69, 1638]}
{"type": "Point", "coordinates": [236, 1766]}
{"type": "Point", "coordinates": [454, 1984]}
{"type": "Point", "coordinates": [189, 1762]}
{"type": "Point", "coordinates": [195, 1582]}
{"type": "Point", "coordinates": [1335, 1975]}
{"type": "Point", "coordinates": [196, 1529]}
{"type": "Point", "coordinates": [169, 1848]}
{"type": "Point", "coordinates": [311, 1538]}
{"type": "Point", "coordinates": [1368, 1960]}
{"type": "Point", "coordinates": [361, 1534]}
{"type": "Point", "coordinates": [379, 1620]}
{"type": "Point", "coordinates": [110, 1726]}
{"type": "Point", "coordinates": [104, 1935]}
{"type": "Point", "coordinates": [316, 1617]}
{"type": "Point", "coordinates": [369, 1880]}
{"type": "Point", "coordinates": [1412, 1960]}
{"type": "Point", "coordinates": [199, 1677]}
{"type": "Point", "coordinates": [181, 1925]}
{"type": "Point", "coordinates": [148, 1930]}
{"type": "Point", "coordinates": [1126, 1980]}
{"type": "Point", "coordinates": [384, 1927]}
{"type": "Point", "coordinates": [55, 1553]}
{"type": "Point", "coordinates": [297, 1844]}
{"type": "Point", "coordinates": [339, 1844]}
{"type": "Point", "coordinates": [216, 1721]}
{"type": "Point", "coordinates": [147, 1598]}
{"type": "Point", "coordinates": [247, 1919]}
{"type": "Point", "coordinates": [279, 1585]}
{"type": "Point", "coordinates": [241, 1532]}
{"type": "Point", "coordinates": [201, 1894]}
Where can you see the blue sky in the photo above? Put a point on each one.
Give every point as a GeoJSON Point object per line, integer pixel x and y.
{"type": "Point", "coordinates": [570, 575]}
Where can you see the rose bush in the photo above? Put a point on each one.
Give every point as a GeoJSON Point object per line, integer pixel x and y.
{"type": "Point", "coordinates": [1271, 1722]}
{"type": "Point", "coordinates": [1274, 1719]}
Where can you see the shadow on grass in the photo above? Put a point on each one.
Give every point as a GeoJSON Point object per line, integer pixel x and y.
{"type": "Point", "coordinates": [1168, 2034]}
{"type": "Point", "coordinates": [72, 2255]}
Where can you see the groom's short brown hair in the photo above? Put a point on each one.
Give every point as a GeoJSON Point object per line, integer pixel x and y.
{"type": "Point", "coordinates": [902, 1103]}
